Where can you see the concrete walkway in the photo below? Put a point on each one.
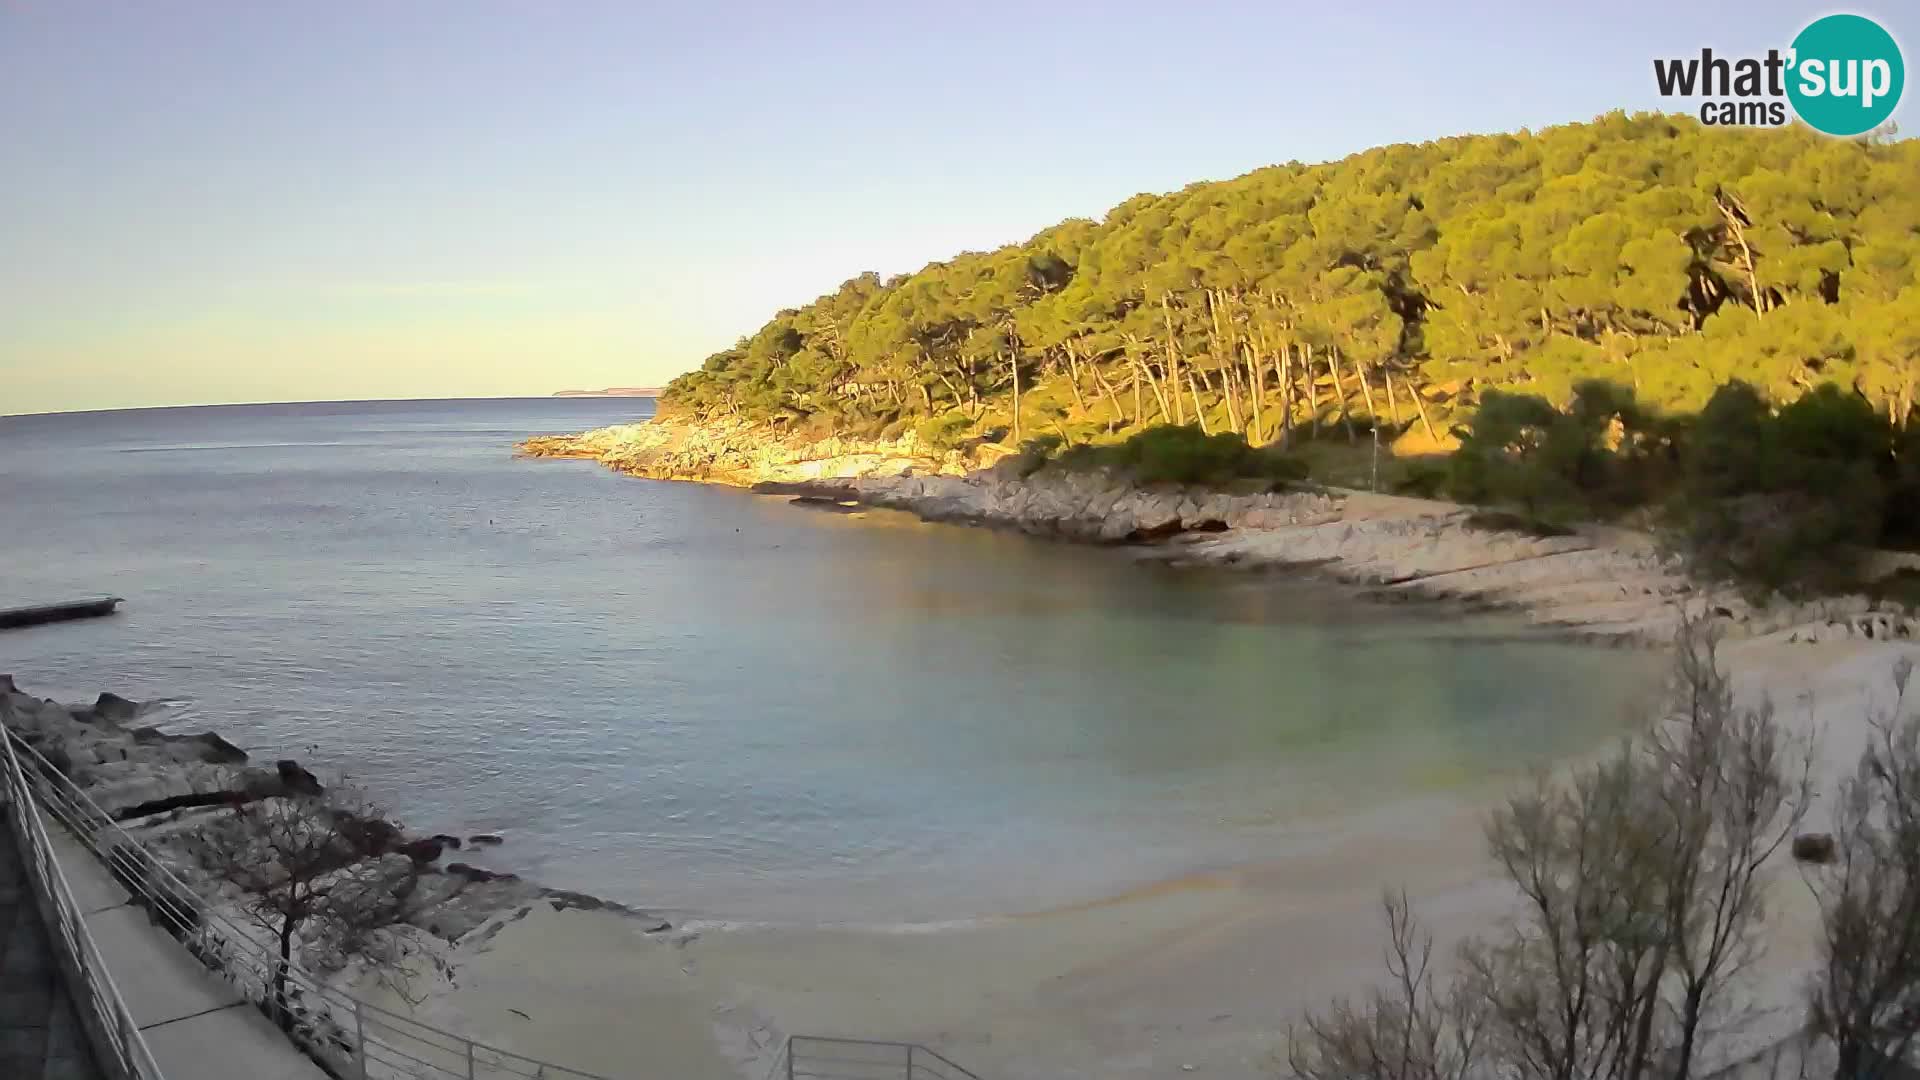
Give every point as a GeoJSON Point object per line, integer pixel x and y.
{"type": "Point", "coordinates": [197, 1025]}
{"type": "Point", "coordinates": [40, 1036]}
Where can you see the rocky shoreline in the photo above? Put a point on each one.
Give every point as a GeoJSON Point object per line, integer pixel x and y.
{"type": "Point", "coordinates": [165, 789]}
{"type": "Point", "coordinates": [155, 784]}
{"type": "Point", "coordinates": [1598, 583]}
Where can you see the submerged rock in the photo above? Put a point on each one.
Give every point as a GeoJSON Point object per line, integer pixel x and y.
{"type": "Point", "coordinates": [480, 874]}
{"type": "Point", "coordinates": [426, 849]}
{"type": "Point", "coordinates": [826, 503]}
{"type": "Point", "coordinates": [115, 709]}
{"type": "Point", "coordinates": [205, 746]}
{"type": "Point", "coordinates": [295, 779]}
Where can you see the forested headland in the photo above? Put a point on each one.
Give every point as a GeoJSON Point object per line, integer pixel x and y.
{"type": "Point", "coordinates": [1602, 281]}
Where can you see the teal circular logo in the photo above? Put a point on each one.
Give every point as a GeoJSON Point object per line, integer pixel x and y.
{"type": "Point", "coordinates": [1846, 74]}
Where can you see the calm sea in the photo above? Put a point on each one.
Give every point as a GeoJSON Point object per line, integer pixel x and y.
{"type": "Point", "coordinates": [698, 700]}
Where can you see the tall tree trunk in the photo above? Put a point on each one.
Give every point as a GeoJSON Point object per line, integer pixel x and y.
{"type": "Point", "coordinates": [1113, 399]}
{"type": "Point", "coordinates": [1144, 370]}
{"type": "Point", "coordinates": [1746, 254]}
{"type": "Point", "coordinates": [1414, 393]}
{"type": "Point", "coordinates": [1256, 392]}
{"type": "Point", "coordinates": [1222, 350]}
{"type": "Point", "coordinates": [1641, 1046]}
{"type": "Point", "coordinates": [1313, 388]}
{"type": "Point", "coordinates": [282, 1015]}
{"type": "Point", "coordinates": [1850, 1063]}
{"type": "Point", "coordinates": [1366, 391]}
{"type": "Point", "coordinates": [1073, 372]}
{"type": "Point", "coordinates": [1013, 362]}
{"type": "Point", "coordinates": [1283, 367]}
{"type": "Point", "coordinates": [1339, 388]}
{"type": "Point", "coordinates": [1173, 359]}
{"type": "Point", "coordinates": [1689, 1029]}
{"type": "Point", "coordinates": [1373, 417]}
{"type": "Point", "coordinates": [1199, 413]}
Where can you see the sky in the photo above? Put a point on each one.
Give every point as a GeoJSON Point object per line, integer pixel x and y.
{"type": "Point", "coordinates": [276, 201]}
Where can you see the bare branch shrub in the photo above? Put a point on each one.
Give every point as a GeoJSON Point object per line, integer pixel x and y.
{"type": "Point", "coordinates": [1407, 1032]}
{"type": "Point", "coordinates": [1866, 994]}
{"type": "Point", "coordinates": [1733, 789]}
{"type": "Point", "coordinates": [1640, 885]}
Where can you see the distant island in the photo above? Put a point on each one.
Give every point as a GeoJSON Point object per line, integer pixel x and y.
{"type": "Point", "coordinates": [613, 391]}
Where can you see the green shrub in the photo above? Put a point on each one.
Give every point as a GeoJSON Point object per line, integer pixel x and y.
{"type": "Point", "coordinates": [1516, 449]}
{"type": "Point", "coordinates": [1602, 456]}
{"type": "Point", "coordinates": [1034, 454]}
{"type": "Point", "coordinates": [816, 427]}
{"type": "Point", "coordinates": [864, 426]}
{"type": "Point", "coordinates": [1784, 500]}
{"type": "Point", "coordinates": [1423, 479]}
{"type": "Point", "coordinates": [944, 432]}
{"type": "Point", "coordinates": [1900, 524]}
{"type": "Point", "coordinates": [1277, 467]}
{"type": "Point", "coordinates": [1786, 541]}
{"type": "Point", "coordinates": [1184, 455]}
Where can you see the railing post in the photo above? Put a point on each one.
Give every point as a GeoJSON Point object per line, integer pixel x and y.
{"type": "Point", "coordinates": [789, 1057]}
{"type": "Point", "coordinates": [469, 1043]}
{"type": "Point", "coordinates": [359, 1040]}
{"type": "Point", "coordinates": [909, 1061]}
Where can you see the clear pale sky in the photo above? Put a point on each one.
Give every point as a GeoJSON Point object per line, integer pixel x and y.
{"type": "Point", "coordinates": [271, 201]}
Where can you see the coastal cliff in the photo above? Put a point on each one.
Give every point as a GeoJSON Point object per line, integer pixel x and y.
{"type": "Point", "coordinates": [1597, 582]}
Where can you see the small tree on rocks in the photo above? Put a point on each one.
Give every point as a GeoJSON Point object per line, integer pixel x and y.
{"type": "Point", "coordinates": [313, 867]}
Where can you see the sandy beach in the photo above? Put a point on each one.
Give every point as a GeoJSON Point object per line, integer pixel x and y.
{"type": "Point", "coordinates": [1199, 975]}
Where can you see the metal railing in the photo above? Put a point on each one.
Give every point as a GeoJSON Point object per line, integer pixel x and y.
{"type": "Point", "coordinates": [352, 1037]}
{"type": "Point", "coordinates": [819, 1057]}
{"type": "Point", "coordinates": [118, 1047]}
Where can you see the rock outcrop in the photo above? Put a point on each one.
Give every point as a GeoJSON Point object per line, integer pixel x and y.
{"type": "Point", "coordinates": [162, 788]}
{"type": "Point", "coordinates": [742, 454]}
{"type": "Point", "coordinates": [176, 797]}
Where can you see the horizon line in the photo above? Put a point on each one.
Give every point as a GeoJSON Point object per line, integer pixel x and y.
{"type": "Point", "coordinates": [558, 396]}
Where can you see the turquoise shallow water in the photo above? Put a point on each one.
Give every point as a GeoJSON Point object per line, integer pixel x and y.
{"type": "Point", "coordinates": [695, 699]}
